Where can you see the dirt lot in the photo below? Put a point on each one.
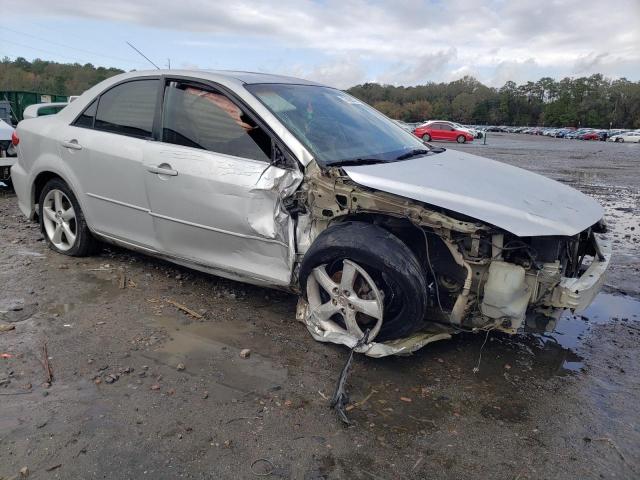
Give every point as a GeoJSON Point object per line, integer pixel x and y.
{"type": "Point", "coordinates": [142, 390]}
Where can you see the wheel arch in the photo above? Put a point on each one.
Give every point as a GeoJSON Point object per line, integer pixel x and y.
{"type": "Point", "coordinates": [415, 238]}
{"type": "Point", "coordinates": [402, 228]}
{"type": "Point", "coordinates": [40, 180]}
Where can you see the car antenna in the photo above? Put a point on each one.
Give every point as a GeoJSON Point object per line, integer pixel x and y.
{"type": "Point", "coordinates": [143, 55]}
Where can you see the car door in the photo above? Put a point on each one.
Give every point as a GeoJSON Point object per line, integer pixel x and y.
{"type": "Point", "coordinates": [215, 197]}
{"type": "Point", "coordinates": [104, 149]}
{"type": "Point", "coordinates": [437, 132]}
{"type": "Point", "coordinates": [448, 132]}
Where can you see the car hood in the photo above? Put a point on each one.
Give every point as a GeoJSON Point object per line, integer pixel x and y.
{"type": "Point", "coordinates": [513, 199]}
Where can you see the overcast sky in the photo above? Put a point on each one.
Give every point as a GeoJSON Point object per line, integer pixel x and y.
{"type": "Point", "coordinates": [338, 42]}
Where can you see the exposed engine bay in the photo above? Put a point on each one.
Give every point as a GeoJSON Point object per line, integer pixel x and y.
{"type": "Point", "coordinates": [479, 277]}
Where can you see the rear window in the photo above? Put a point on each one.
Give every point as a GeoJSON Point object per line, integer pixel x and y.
{"type": "Point", "coordinates": [86, 118]}
{"type": "Point", "coordinates": [128, 108]}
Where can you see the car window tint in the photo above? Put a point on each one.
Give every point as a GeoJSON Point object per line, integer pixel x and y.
{"type": "Point", "coordinates": [128, 108]}
{"type": "Point", "coordinates": [86, 119]}
{"type": "Point", "coordinates": [438, 126]}
{"type": "Point", "coordinates": [204, 118]}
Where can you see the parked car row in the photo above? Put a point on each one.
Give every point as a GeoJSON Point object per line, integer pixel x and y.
{"type": "Point", "coordinates": [612, 135]}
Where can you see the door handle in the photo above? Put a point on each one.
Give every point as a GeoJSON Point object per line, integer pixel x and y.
{"type": "Point", "coordinates": [72, 144]}
{"type": "Point", "coordinates": [162, 169]}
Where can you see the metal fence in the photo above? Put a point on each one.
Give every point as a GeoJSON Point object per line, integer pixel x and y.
{"type": "Point", "coordinates": [19, 100]}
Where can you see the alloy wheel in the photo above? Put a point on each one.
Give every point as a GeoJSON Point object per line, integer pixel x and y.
{"type": "Point", "coordinates": [59, 219]}
{"type": "Point", "coordinates": [347, 298]}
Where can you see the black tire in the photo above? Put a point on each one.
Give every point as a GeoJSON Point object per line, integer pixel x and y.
{"type": "Point", "coordinates": [85, 244]}
{"type": "Point", "coordinates": [426, 137]}
{"type": "Point", "coordinates": [461, 139]}
{"type": "Point", "coordinates": [392, 265]}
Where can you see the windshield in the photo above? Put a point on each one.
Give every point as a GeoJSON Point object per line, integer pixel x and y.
{"type": "Point", "coordinates": [337, 128]}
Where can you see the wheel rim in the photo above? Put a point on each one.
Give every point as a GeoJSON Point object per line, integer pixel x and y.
{"type": "Point", "coordinates": [426, 137]}
{"type": "Point", "coordinates": [59, 219]}
{"type": "Point", "coordinates": [353, 297]}
{"type": "Point", "coordinates": [461, 139]}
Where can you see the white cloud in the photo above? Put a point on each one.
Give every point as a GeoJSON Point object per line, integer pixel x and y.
{"type": "Point", "coordinates": [410, 41]}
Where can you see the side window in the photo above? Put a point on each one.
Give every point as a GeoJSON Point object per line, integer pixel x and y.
{"type": "Point", "coordinates": [86, 119]}
{"type": "Point", "coordinates": [437, 126]}
{"type": "Point", "coordinates": [205, 118]}
{"type": "Point", "coordinates": [128, 108]}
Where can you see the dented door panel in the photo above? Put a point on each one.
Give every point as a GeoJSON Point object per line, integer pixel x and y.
{"type": "Point", "coordinates": [222, 211]}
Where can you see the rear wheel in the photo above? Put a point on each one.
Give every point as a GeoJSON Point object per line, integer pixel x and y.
{"type": "Point", "coordinates": [426, 137]}
{"type": "Point", "coordinates": [461, 139]}
{"type": "Point", "coordinates": [62, 221]}
{"type": "Point", "coordinates": [358, 276]}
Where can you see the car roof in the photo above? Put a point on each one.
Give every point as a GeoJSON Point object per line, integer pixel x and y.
{"type": "Point", "coordinates": [233, 76]}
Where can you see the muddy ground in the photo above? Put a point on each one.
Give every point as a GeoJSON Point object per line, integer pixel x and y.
{"type": "Point", "coordinates": [182, 403]}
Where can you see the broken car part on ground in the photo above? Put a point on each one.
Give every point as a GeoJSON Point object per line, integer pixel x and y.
{"type": "Point", "coordinates": [285, 183]}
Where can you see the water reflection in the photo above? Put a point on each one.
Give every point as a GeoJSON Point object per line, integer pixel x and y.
{"type": "Point", "coordinates": [570, 330]}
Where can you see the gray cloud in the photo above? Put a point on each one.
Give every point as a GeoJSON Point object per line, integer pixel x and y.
{"type": "Point", "coordinates": [413, 40]}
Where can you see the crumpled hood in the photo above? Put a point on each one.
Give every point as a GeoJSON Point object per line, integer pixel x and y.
{"type": "Point", "coordinates": [516, 200]}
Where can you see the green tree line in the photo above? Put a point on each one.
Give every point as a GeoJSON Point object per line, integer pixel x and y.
{"type": "Point", "coordinates": [51, 77]}
{"type": "Point", "coordinates": [593, 101]}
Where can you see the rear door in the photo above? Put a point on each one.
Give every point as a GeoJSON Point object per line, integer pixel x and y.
{"type": "Point", "coordinates": [105, 147]}
{"type": "Point", "coordinates": [215, 196]}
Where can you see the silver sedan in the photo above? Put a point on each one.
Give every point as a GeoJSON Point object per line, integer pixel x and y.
{"type": "Point", "coordinates": [289, 184]}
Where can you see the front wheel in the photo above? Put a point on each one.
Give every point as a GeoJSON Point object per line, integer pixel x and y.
{"type": "Point", "coordinates": [461, 139]}
{"type": "Point", "coordinates": [62, 221]}
{"type": "Point", "coordinates": [426, 137]}
{"type": "Point", "coordinates": [358, 276]}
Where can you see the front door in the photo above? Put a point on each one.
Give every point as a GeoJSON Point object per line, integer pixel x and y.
{"type": "Point", "coordinates": [215, 197]}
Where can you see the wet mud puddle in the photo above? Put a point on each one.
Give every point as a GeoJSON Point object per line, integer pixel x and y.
{"type": "Point", "coordinates": [402, 394]}
{"type": "Point", "coordinates": [212, 349]}
{"type": "Point", "coordinates": [572, 329]}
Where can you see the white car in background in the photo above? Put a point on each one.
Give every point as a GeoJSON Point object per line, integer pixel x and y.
{"type": "Point", "coordinates": [43, 109]}
{"type": "Point", "coordinates": [627, 137]}
{"type": "Point", "coordinates": [7, 152]}
{"type": "Point", "coordinates": [286, 183]}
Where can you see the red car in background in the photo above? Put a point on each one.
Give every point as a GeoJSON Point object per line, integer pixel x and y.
{"type": "Point", "coordinates": [442, 131]}
{"type": "Point", "coordinates": [590, 136]}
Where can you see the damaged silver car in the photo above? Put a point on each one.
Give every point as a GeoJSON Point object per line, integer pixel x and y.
{"type": "Point", "coordinates": [285, 183]}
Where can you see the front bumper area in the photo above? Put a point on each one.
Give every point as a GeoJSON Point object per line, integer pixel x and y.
{"type": "Point", "coordinates": [578, 293]}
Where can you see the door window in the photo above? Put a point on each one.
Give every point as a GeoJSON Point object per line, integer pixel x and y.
{"type": "Point", "coordinates": [86, 118]}
{"type": "Point", "coordinates": [204, 118]}
{"type": "Point", "coordinates": [128, 108]}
